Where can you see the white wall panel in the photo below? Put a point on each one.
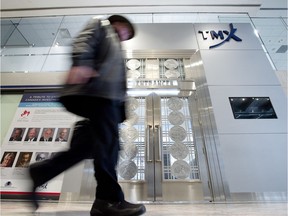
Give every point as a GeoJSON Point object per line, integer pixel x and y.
{"type": "Point", "coordinates": [57, 63]}
{"type": "Point", "coordinates": [9, 105]}
{"type": "Point", "coordinates": [22, 63]}
{"type": "Point", "coordinates": [236, 67]}
{"type": "Point", "coordinates": [224, 117]}
{"type": "Point", "coordinates": [254, 151]}
{"type": "Point", "coordinates": [255, 162]}
{"type": "Point", "coordinates": [25, 51]}
{"type": "Point", "coordinates": [61, 50]}
{"type": "Point", "coordinates": [163, 36]}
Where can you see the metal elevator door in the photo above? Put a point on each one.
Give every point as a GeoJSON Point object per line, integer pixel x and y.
{"type": "Point", "coordinates": [158, 161]}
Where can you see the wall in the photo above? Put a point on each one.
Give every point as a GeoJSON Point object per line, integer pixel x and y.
{"type": "Point", "coordinates": [254, 151]}
{"type": "Point", "coordinates": [9, 105]}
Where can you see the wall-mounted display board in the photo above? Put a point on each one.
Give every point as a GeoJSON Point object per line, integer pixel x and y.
{"type": "Point", "coordinates": [40, 128]}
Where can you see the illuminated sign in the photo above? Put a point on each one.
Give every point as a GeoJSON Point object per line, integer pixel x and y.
{"type": "Point", "coordinates": [223, 35]}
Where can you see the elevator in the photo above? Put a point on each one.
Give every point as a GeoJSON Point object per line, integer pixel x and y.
{"type": "Point", "coordinates": [159, 157]}
{"type": "Point", "coordinates": [158, 161]}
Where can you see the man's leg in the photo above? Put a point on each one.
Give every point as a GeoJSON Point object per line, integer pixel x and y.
{"type": "Point", "coordinates": [109, 195]}
{"type": "Point", "coordinates": [81, 147]}
{"type": "Point", "coordinates": [106, 148]}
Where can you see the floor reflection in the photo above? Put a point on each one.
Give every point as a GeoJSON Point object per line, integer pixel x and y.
{"type": "Point", "coordinates": [21, 208]}
{"type": "Point", "coordinates": [66, 213]}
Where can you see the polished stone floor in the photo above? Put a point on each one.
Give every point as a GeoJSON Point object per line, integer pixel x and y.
{"type": "Point", "coordinates": [21, 208]}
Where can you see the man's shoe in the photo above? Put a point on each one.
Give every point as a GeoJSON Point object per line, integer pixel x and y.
{"type": "Point", "coordinates": [33, 199]}
{"type": "Point", "coordinates": [123, 208]}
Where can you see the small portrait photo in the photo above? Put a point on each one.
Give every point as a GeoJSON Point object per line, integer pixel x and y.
{"type": "Point", "coordinates": [24, 159]}
{"type": "Point", "coordinates": [47, 135]}
{"type": "Point", "coordinates": [32, 135]}
{"type": "Point", "coordinates": [17, 134]}
{"type": "Point", "coordinates": [8, 159]}
{"type": "Point", "coordinates": [62, 135]}
{"type": "Point", "coordinates": [39, 156]}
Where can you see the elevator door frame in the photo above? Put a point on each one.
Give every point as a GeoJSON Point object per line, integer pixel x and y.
{"type": "Point", "coordinates": [203, 120]}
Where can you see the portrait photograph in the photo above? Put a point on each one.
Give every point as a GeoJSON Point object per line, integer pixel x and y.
{"type": "Point", "coordinates": [17, 134]}
{"type": "Point", "coordinates": [47, 135]}
{"type": "Point", "coordinates": [62, 135]}
{"type": "Point", "coordinates": [8, 159]}
{"type": "Point", "coordinates": [39, 156]}
{"type": "Point", "coordinates": [32, 135]}
{"type": "Point", "coordinates": [24, 159]}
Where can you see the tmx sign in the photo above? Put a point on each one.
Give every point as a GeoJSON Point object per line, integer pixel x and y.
{"type": "Point", "coordinates": [220, 34]}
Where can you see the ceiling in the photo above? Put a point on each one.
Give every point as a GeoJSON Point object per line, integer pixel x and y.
{"type": "Point", "coordinates": [16, 8]}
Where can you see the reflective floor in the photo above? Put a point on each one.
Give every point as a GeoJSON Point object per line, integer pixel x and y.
{"type": "Point", "coordinates": [21, 208]}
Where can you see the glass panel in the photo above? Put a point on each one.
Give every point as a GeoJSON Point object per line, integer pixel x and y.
{"type": "Point", "coordinates": [27, 43]}
{"type": "Point", "coordinates": [132, 140]}
{"type": "Point", "coordinates": [135, 68]}
{"type": "Point", "coordinates": [155, 68]}
{"type": "Point", "coordinates": [53, 36]}
{"type": "Point", "coordinates": [31, 32]}
{"type": "Point", "coordinates": [178, 147]}
{"type": "Point", "coordinates": [7, 29]}
{"type": "Point", "coordinates": [252, 108]}
{"type": "Point", "coordinates": [171, 68]}
{"type": "Point", "coordinates": [273, 33]}
{"type": "Point", "coordinates": [69, 29]}
{"type": "Point", "coordinates": [236, 18]}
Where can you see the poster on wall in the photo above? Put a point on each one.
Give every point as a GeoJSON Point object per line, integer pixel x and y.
{"type": "Point", "coordinates": [40, 128]}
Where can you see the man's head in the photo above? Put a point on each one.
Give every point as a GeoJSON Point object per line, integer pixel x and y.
{"type": "Point", "coordinates": [123, 27]}
{"type": "Point", "coordinates": [32, 133]}
{"type": "Point", "coordinates": [47, 133]}
{"type": "Point", "coordinates": [63, 133]}
{"type": "Point", "coordinates": [8, 159]}
{"type": "Point", "coordinates": [40, 157]}
{"type": "Point", "coordinates": [18, 132]}
{"type": "Point", "coordinates": [25, 157]}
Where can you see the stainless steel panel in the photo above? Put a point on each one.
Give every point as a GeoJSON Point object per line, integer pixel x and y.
{"type": "Point", "coordinates": [260, 196]}
{"type": "Point", "coordinates": [135, 191]}
{"type": "Point", "coordinates": [199, 140]}
{"type": "Point", "coordinates": [157, 141]}
{"type": "Point", "coordinates": [185, 191]}
{"type": "Point", "coordinates": [153, 166]}
{"type": "Point", "coordinates": [167, 34]}
{"type": "Point", "coordinates": [149, 129]}
{"type": "Point", "coordinates": [149, 166]}
{"type": "Point", "coordinates": [215, 183]}
{"type": "Point", "coordinates": [224, 115]}
{"type": "Point", "coordinates": [88, 184]}
{"type": "Point", "coordinates": [249, 68]}
{"type": "Point", "coordinates": [157, 127]}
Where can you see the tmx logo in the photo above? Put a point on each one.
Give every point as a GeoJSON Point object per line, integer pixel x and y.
{"type": "Point", "coordinates": [213, 34]}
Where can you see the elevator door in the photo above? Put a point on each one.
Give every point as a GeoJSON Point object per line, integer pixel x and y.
{"type": "Point", "coordinates": [158, 160]}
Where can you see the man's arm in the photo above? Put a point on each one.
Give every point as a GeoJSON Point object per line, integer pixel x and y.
{"type": "Point", "coordinates": [80, 74]}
